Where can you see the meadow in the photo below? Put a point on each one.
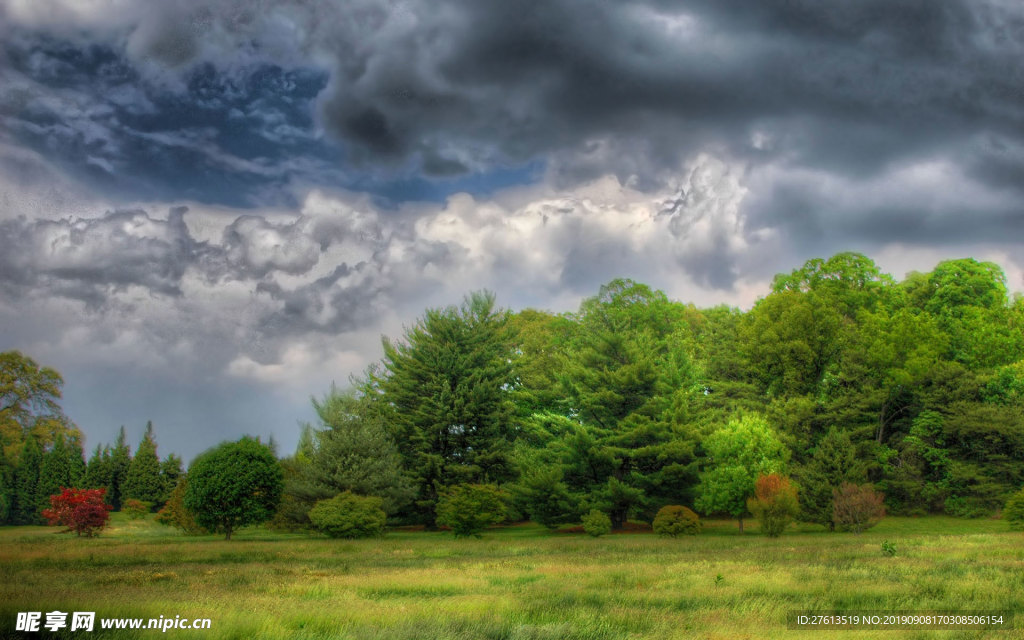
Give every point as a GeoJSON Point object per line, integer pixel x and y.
{"type": "Point", "coordinates": [515, 583]}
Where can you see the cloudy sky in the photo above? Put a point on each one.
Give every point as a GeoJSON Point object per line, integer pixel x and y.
{"type": "Point", "coordinates": [211, 211]}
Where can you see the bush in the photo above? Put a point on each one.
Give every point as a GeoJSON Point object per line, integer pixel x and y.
{"type": "Point", "coordinates": [233, 485]}
{"type": "Point", "coordinates": [597, 523]}
{"type": "Point", "coordinates": [80, 510]}
{"type": "Point", "coordinates": [774, 503]}
{"type": "Point", "coordinates": [135, 508]}
{"type": "Point", "coordinates": [347, 515]}
{"type": "Point", "coordinates": [174, 513]}
{"type": "Point", "coordinates": [469, 508]}
{"type": "Point", "coordinates": [857, 507]}
{"type": "Point", "coordinates": [673, 520]}
{"type": "Point", "coordinates": [1013, 512]}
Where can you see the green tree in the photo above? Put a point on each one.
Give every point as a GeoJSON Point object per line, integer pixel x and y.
{"type": "Point", "coordinates": [120, 461]}
{"type": "Point", "coordinates": [56, 472]}
{"type": "Point", "coordinates": [447, 387]}
{"type": "Point", "coordinates": [833, 462]}
{"type": "Point", "coordinates": [737, 454]}
{"type": "Point", "coordinates": [353, 451]}
{"type": "Point", "coordinates": [470, 508]}
{"type": "Point", "coordinates": [29, 402]}
{"type": "Point", "coordinates": [142, 480]}
{"type": "Point", "coordinates": [233, 485]}
{"type": "Point", "coordinates": [171, 470]}
{"type": "Point", "coordinates": [98, 471]}
{"type": "Point", "coordinates": [26, 483]}
{"type": "Point", "coordinates": [348, 515]}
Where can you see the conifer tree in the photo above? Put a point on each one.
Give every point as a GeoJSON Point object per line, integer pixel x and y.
{"type": "Point", "coordinates": [26, 483]}
{"type": "Point", "coordinates": [55, 472]}
{"type": "Point", "coordinates": [171, 471]}
{"type": "Point", "coordinates": [120, 459]}
{"type": "Point", "coordinates": [142, 481]}
{"type": "Point", "coordinates": [447, 385]}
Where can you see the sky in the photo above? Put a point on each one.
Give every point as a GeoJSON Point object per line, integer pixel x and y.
{"type": "Point", "coordinates": [212, 211]}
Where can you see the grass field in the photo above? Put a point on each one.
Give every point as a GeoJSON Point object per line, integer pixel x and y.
{"type": "Point", "coordinates": [515, 583]}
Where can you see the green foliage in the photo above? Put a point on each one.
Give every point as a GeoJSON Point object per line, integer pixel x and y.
{"type": "Point", "coordinates": [467, 509]}
{"type": "Point", "coordinates": [1013, 511]}
{"type": "Point", "coordinates": [171, 470]}
{"type": "Point", "coordinates": [597, 523]}
{"type": "Point", "coordinates": [348, 515]}
{"type": "Point", "coordinates": [56, 471]}
{"type": "Point", "coordinates": [352, 451]}
{"type": "Point", "coordinates": [774, 503]}
{"type": "Point", "coordinates": [888, 548]}
{"type": "Point", "coordinates": [737, 453]}
{"type": "Point", "coordinates": [174, 514]}
{"type": "Point", "coordinates": [29, 404]}
{"type": "Point", "coordinates": [120, 461]}
{"type": "Point", "coordinates": [142, 480]}
{"type": "Point", "coordinates": [447, 388]}
{"type": "Point", "coordinates": [833, 462]}
{"type": "Point", "coordinates": [857, 507]}
{"type": "Point", "coordinates": [233, 485]}
{"type": "Point", "coordinates": [674, 520]}
{"type": "Point", "coordinates": [545, 497]}
{"type": "Point", "coordinates": [136, 509]}
{"type": "Point", "coordinates": [26, 484]}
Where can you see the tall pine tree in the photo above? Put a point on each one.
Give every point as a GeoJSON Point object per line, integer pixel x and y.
{"type": "Point", "coordinates": [26, 483]}
{"type": "Point", "coordinates": [120, 460]}
{"type": "Point", "coordinates": [447, 386]}
{"type": "Point", "coordinates": [142, 481]}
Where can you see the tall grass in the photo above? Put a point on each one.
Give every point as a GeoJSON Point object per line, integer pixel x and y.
{"type": "Point", "coordinates": [514, 583]}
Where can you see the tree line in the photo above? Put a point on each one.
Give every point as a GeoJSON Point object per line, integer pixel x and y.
{"type": "Point", "coordinates": [840, 377]}
{"type": "Point", "coordinates": [41, 451]}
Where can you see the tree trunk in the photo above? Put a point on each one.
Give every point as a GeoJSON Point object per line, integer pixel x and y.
{"type": "Point", "coordinates": [227, 532]}
{"type": "Point", "coordinates": [741, 525]}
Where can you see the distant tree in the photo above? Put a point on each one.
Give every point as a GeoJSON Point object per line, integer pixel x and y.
{"type": "Point", "coordinates": [120, 461]}
{"type": "Point", "coordinates": [546, 498]}
{"type": "Point", "coordinates": [737, 453]}
{"type": "Point", "coordinates": [29, 403]}
{"type": "Point", "coordinates": [142, 480]}
{"type": "Point", "coordinates": [349, 516]}
{"type": "Point", "coordinates": [447, 389]}
{"type": "Point", "coordinates": [674, 520]}
{"type": "Point", "coordinates": [171, 470]}
{"type": "Point", "coordinates": [353, 451]}
{"type": "Point", "coordinates": [470, 508]}
{"type": "Point", "coordinates": [80, 510]}
{"type": "Point", "coordinates": [774, 503]}
{"type": "Point", "coordinates": [597, 523]}
{"type": "Point", "coordinates": [55, 471]}
{"type": "Point", "coordinates": [6, 487]}
{"type": "Point", "coordinates": [135, 509]}
{"type": "Point", "coordinates": [233, 485]}
{"type": "Point", "coordinates": [833, 462]}
{"type": "Point", "coordinates": [174, 513]}
{"type": "Point", "coordinates": [1013, 512]}
{"type": "Point", "coordinates": [26, 483]}
{"type": "Point", "coordinates": [857, 507]}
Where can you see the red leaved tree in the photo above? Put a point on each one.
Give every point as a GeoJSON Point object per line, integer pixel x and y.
{"type": "Point", "coordinates": [80, 510]}
{"type": "Point", "coordinates": [774, 503]}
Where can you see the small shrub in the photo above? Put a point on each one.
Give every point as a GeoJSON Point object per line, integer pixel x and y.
{"type": "Point", "coordinates": [347, 515]}
{"type": "Point", "coordinates": [597, 523]}
{"type": "Point", "coordinates": [470, 508]}
{"type": "Point", "coordinates": [1013, 512]}
{"type": "Point", "coordinates": [80, 510]}
{"type": "Point", "coordinates": [774, 503]}
{"type": "Point", "coordinates": [888, 548]}
{"type": "Point", "coordinates": [673, 520]}
{"type": "Point", "coordinates": [174, 513]}
{"type": "Point", "coordinates": [135, 508]}
{"type": "Point", "coordinates": [857, 508]}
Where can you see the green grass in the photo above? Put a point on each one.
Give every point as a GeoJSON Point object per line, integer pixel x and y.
{"type": "Point", "coordinates": [515, 583]}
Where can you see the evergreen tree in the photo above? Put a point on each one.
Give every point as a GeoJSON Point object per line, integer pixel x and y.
{"type": "Point", "coordinates": [142, 480]}
{"type": "Point", "coordinates": [55, 472]}
{"type": "Point", "coordinates": [447, 386]}
{"type": "Point", "coordinates": [120, 460]}
{"type": "Point", "coordinates": [6, 487]}
{"type": "Point", "coordinates": [97, 472]}
{"type": "Point", "coordinates": [354, 452]}
{"type": "Point", "coordinates": [833, 462]}
{"type": "Point", "coordinates": [26, 484]}
{"type": "Point", "coordinates": [171, 470]}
